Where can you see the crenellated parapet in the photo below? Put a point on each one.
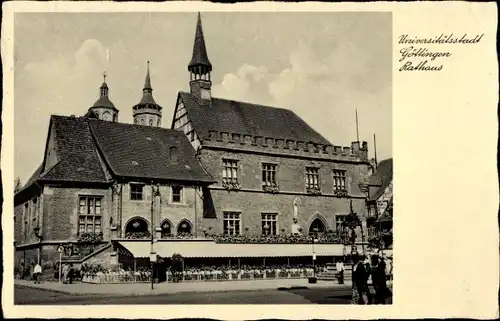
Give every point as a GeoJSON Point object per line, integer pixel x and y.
{"type": "Point", "coordinates": [358, 151]}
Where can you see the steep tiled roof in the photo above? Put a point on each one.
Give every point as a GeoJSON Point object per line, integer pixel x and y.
{"type": "Point", "coordinates": [144, 152]}
{"type": "Point", "coordinates": [382, 177]}
{"type": "Point", "coordinates": [78, 159]}
{"type": "Point", "coordinates": [248, 119]}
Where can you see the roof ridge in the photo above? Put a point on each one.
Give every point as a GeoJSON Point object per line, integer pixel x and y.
{"type": "Point", "coordinates": [99, 148]}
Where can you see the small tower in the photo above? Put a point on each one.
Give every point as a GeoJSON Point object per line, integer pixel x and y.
{"type": "Point", "coordinates": [103, 108]}
{"type": "Point", "coordinates": [147, 111]}
{"type": "Point", "coordinates": [200, 67]}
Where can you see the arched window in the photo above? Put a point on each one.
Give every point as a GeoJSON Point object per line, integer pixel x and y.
{"type": "Point", "coordinates": [142, 121]}
{"type": "Point", "coordinates": [158, 123]}
{"type": "Point", "coordinates": [137, 228]}
{"type": "Point", "coordinates": [166, 228]}
{"type": "Point", "coordinates": [184, 228]}
{"type": "Point", "coordinates": [151, 122]}
{"type": "Point", "coordinates": [317, 226]}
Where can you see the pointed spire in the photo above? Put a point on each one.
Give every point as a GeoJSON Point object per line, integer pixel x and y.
{"type": "Point", "coordinates": [200, 56]}
{"type": "Point", "coordinates": [147, 91]}
{"type": "Point", "coordinates": [103, 100]}
{"type": "Point", "coordinates": [147, 83]}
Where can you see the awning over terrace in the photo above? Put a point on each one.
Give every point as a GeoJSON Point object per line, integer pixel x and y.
{"type": "Point", "coordinates": [211, 249]}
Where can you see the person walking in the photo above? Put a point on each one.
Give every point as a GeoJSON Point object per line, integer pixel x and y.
{"type": "Point", "coordinates": [37, 271]}
{"type": "Point", "coordinates": [359, 282]}
{"type": "Point", "coordinates": [65, 271]}
{"type": "Point", "coordinates": [71, 272]}
{"type": "Point", "coordinates": [340, 271]}
{"type": "Point", "coordinates": [379, 280]}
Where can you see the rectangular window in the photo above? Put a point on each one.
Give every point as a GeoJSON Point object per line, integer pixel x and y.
{"type": "Point", "coordinates": [312, 177]}
{"type": "Point", "coordinates": [269, 223]}
{"type": "Point", "coordinates": [269, 174]}
{"type": "Point", "coordinates": [231, 223]}
{"type": "Point", "coordinates": [339, 219]}
{"type": "Point", "coordinates": [229, 171]}
{"type": "Point", "coordinates": [89, 219]}
{"type": "Point", "coordinates": [176, 194]}
{"type": "Point", "coordinates": [136, 192]}
{"type": "Point", "coordinates": [339, 180]}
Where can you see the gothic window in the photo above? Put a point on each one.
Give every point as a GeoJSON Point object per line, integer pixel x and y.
{"type": "Point", "coordinates": [317, 226]}
{"type": "Point", "coordinates": [269, 174]}
{"type": "Point", "coordinates": [339, 180]}
{"type": "Point", "coordinates": [232, 223]}
{"type": "Point", "coordinates": [89, 219]}
{"type": "Point", "coordinates": [151, 122]}
{"type": "Point", "coordinates": [269, 223]}
{"type": "Point", "coordinates": [136, 192]}
{"type": "Point", "coordinates": [184, 227]}
{"type": "Point", "coordinates": [229, 171]}
{"type": "Point", "coordinates": [142, 121]}
{"type": "Point", "coordinates": [136, 121]}
{"type": "Point", "coordinates": [158, 123]}
{"type": "Point", "coordinates": [312, 177]}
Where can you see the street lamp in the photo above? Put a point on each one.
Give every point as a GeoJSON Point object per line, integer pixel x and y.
{"type": "Point", "coordinates": [314, 239]}
{"type": "Point", "coordinates": [36, 230]}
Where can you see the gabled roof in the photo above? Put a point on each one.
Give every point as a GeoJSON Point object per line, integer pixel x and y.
{"type": "Point", "coordinates": [248, 119]}
{"type": "Point", "coordinates": [78, 159]}
{"type": "Point", "coordinates": [145, 152]}
{"type": "Point", "coordinates": [382, 177]}
{"type": "Point", "coordinates": [78, 140]}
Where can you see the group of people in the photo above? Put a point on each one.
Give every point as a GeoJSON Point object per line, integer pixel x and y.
{"type": "Point", "coordinates": [68, 273]}
{"type": "Point", "coordinates": [375, 268]}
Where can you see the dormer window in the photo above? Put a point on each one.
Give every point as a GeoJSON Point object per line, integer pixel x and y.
{"type": "Point", "coordinates": [172, 153]}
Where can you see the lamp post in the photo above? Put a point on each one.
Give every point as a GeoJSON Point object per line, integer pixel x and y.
{"type": "Point", "coordinates": [36, 230]}
{"type": "Point", "coordinates": [314, 237]}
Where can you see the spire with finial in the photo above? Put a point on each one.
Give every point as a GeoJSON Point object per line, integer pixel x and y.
{"type": "Point", "coordinates": [147, 83]}
{"type": "Point", "coordinates": [200, 56]}
{"type": "Point", "coordinates": [200, 68]}
{"type": "Point", "coordinates": [103, 108]}
{"type": "Point", "coordinates": [104, 87]}
{"type": "Point", "coordinates": [147, 111]}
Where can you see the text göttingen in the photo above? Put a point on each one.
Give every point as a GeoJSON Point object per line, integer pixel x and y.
{"type": "Point", "coordinates": [425, 59]}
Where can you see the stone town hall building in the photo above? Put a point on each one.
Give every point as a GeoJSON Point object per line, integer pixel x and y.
{"type": "Point", "coordinates": [224, 168]}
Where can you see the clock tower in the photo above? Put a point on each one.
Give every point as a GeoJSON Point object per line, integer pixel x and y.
{"type": "Point", "coordinates": [103, 108]}
{"type": "Point", "coordinates": [200, 68]}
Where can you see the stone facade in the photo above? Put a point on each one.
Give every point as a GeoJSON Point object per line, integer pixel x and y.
{"type": "Point", "coordinates": [251, 201]}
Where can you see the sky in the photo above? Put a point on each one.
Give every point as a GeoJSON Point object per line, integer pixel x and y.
{"type": "Point", "coordinates": [323, 66]}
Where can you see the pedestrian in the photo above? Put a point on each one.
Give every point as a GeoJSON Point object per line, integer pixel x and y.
{"type": "Point", "coordinates": [37, 271]}
{"type": "Point", "coordinates": [340, 271]}
{"type": "Point", "coordinates": [71, 272]}
{"type": "Point", "coordinates": [359, 279]}
{"type": "Point", "coordinates": [65, 270]}
{"type": "Point", "coordinates": [368, 297]}
{"type": "Point", "coordinates": [379, 280]}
